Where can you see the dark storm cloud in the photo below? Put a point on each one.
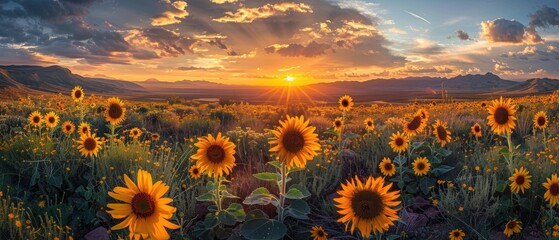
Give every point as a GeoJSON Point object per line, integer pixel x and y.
{"type": "Point", "coordinates": [463, 35]}
{"type": "Point", "coordinates": [59, 28]}
{"type": "Point", "coordinates": [544, 17]}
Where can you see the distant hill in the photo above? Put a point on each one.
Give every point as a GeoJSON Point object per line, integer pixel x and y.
{"type": "Point", "coordinates": [55, 79]}
{"type": "Point", "coordinates": [536, 85]}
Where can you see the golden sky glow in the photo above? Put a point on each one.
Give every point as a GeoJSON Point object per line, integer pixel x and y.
{"type": "Point", "coordinates": [258, 42]}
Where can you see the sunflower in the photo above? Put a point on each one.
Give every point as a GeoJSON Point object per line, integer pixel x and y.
{"type": "Point", "coordinates": [501, 118]}
{"type": "Point", "coordinates": [135, 133]}
{"type": "Point", "coordinates": [456, 234]}
{"type": "Point", "coordinates": [68, 127]}
{"type": "Point", "coordinates": [552, 193]}
{"type": "Point", "coordinates": [368, 205]}
{"type": "Point", "coordinates": [421, 166]}
{"type": "Point", "coordinates": [89, 145]}
{"type": "Point", "coordinates": [387, 168]}
{"type": "Point", "coordinates": [369, 124]}
{"type": "Point", "coordinates": [476, 130]}
{"type": "Point", "coordinates": [521, 180]}
{"type": "Point", "coordinates": [318, 233]}
{"type": "Point", "coordinates": [215, 155]}
{"type": "Point", "coordinates": [195, 172]}
{"type": "Point", "coordinates": [414, 126]}
{"type": "Point", "coordinates": [84, 128]}
{"type": "Point", "coordinates": [399, 142]}
{"type": "Point", "coordinates": [155, 137]}
{"type": "Point", "coordinates": [115, 111]}
{"type": "Point", "coordinates": [51, 119]}
{"type": "Point", "coordinates": [296, 142]}
{"type": "Point", "coordinates": [540, 120]}
{"type": "Point", "coordinates": [423, 113]}
{"type": "Point", "coordinates": [338, 124]}
{"type": "Point", "coordinates": [77, 93]}
{"type": "Point", "coordinates": [512, 227]}
{"type": "Point", "coordinates": [35, 119]}
{"type": "Point", "coordinates": [346, 102]}
{"type": "Point", "coordinates": [145, 211]}
{"type": "Point", "coordinates": [441, 133]}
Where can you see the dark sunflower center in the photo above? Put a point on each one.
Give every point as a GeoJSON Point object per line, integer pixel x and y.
{"type": "Point", "coordinates": [369, 123]}
{"type": "Point", "coordinates": [320, 233]}
{"type": "Point", "coordinates": [68, 127]}
{"type": "Point", "coordinates": [195, 171]}
{"type": "Point", "coordinates": [420, 166]}
{"type": "Point", "coordinates": [388, 167]}
{"type": "Point", "coordinates": [441, 133]}
{"type": "Point", "coordinates": [338, 123]}
{"type": "Point", "coordinates": [115, 111]}
{"type": "Point", "coordinates": [78, 94]}
{"type": "Point", "coordinates": [36, 119]}
{"type": "Point", "coordinates": [554, 189]}
{"type": "Point", "coordinates": [501, 115]}
{"type": "Point", "coordinates": [399, 141]}
{"type": "Point", "coordinates": [541, 121]}
{"type": "Point", "coordinates": [456, 234]}
{"type": "Point", "coordinates": [345, 103]}
{"type": "Point", "coordinates": [367, 204]}
{"type": "Point", "coordinates": [476, 128]}
{"type": "Point", "coordinates": [415, 123]}
{"type": "Point", "coordinates": [143, 205]}
{"type": "Point", "coordinates": [85, 130]}
{"type": "Point", "coordinates": [519, 180]}
{"type": "Point", "coordinates": [51, 119]}
{"type": "Point", "coordinates": [511, 225]}
{"type": "Point", "coordinates": [215, 154]}
{"type": "Point", "coordinates": [293, 141]}
{"type": "Point", "coordinates": [90, 144]}
{"type": "Point", "coordinates": [134, 133]}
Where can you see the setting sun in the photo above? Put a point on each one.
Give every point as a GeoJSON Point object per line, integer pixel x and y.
{"type": "Point", "coordinates": [289, 79]}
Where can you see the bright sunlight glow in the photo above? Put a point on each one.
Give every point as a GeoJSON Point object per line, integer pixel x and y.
{"type": "Point", "coordinates": [289, 79]}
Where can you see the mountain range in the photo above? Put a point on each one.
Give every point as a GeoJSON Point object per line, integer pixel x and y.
{"type": "Point", "coordinates": [20, 80]}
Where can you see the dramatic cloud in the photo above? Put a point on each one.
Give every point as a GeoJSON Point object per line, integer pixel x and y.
{"type": "Point", "coordinates": [247, 15]}
{"type": "Point", "coordinates": [196, 68]}
{"type": "Point", "coordinates": [172, 16]}
{"type": "Point", "coordinates": [312, 49]}
{"type": "Point", "coordinates": [427, 47]}
{"type": "Point", "coordinates": [223, 1]}
{"type": "Point", "coordinates": [162, 41]}
{"type": "Point", "coordinates": [420, 70]}
{"type": "Point", "coordinates": [544, 17]}
{"type": "Point", "coordinates": [463, 35]}
{"type": "Point", "coordinates": [508, 31]}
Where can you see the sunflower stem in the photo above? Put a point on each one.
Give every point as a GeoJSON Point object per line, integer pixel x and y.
{"type": "Point", "coordinates": [511, 153]}
{"type": "Point", "coordinates": [282, 187]}
{"type": "Point", "coordinates": [544, 138]}
{"type": "Point", "coordinates": [217, 194]}
{"type": "Point", "coordinates": [81, 110]}
{"type": "Point", "coordinates": [112, 135]}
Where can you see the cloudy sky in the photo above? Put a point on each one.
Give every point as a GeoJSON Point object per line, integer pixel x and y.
{"type": "Point", "coordinates": [262, 42]}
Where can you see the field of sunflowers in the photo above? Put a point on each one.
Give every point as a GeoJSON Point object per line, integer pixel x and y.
{"type": "Point", "coordinates": [80, 166]}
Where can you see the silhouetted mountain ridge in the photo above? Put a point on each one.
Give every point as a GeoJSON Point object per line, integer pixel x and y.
{"type": "Point", "coordinates": [56, 79]}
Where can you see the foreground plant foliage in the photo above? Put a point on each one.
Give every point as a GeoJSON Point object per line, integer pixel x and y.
{"type": "Point", "coordinates": [457, 170]}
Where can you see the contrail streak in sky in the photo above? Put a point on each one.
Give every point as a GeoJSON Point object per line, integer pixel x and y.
{"type": "Point", "coordinates": [417, 16]}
